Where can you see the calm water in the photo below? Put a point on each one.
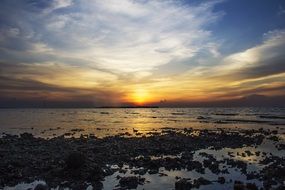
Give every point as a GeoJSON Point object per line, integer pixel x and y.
{"type": "Point", "coordinates": [104, 122]}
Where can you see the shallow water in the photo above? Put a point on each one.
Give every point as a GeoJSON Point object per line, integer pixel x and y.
{"type": "Point", "coordinates": [104, 122]}
{"type": "Point", "coordinates": [156, 181]}
{"type": "Point", "coordinates": [167, 181]}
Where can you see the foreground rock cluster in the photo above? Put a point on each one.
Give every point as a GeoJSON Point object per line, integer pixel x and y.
{"type": "Point", "coordinates": [78, 162]}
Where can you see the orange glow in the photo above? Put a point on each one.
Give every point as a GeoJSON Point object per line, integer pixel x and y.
{"type": "Point", "coordinates": [140, 96]}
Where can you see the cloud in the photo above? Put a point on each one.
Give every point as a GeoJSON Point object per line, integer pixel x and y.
{"type": "Point", "coordinates": [262, 60]}
{"type": "Point", "coordinates": [124, 36]}
{"type": "Point", "coordinates": [57, 4]}
{"type": "Point", "coordinates": [61, 75]}
{"type": "Point", "coordinates": [48, 7]}
{"type": "Point", "coordinates": [259, 69]}
{"type": "Point", "coordinates": [34, 93]}
{"type": "Point", "coordinates": [110, 46]}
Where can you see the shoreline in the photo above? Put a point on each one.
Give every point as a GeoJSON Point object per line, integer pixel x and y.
{"type": "Point", "coordinates": [76, 161]}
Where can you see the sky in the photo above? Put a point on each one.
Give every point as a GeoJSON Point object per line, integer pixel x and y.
{"type": "Point", "coordinates": [140, 52]}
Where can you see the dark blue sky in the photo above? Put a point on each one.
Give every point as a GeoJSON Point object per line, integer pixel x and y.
{"type": "Point", "coordinates": [245, 22]}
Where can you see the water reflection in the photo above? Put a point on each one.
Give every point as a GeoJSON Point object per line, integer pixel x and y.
{"type": "Point", "coordinates": [41, 122]}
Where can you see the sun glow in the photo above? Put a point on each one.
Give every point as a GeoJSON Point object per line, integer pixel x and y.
{"type": "Point", "coordinates": [140, 96]}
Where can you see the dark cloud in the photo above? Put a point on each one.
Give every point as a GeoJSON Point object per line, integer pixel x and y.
{"type": "Point", "coordinates": [28, 93]}
{"type": "Point", "coordinates": [263, 60]}
{"type": "Point", "coordinates": [22, 85]}
{"type": "Point", "coordinates": [230, 93]}
{"type": "Point", "coordinates": [265, 67]}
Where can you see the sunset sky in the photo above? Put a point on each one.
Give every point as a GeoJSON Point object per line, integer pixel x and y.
{"type": "Point", "coordinates": [114, 52]}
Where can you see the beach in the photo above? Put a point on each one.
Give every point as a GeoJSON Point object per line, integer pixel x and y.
{"type": "Point", "coordinates": [164, 157]}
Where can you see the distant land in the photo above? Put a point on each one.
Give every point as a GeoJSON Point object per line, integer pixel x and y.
{"type": "Point", "coordinates": [128, 107]}
{"type": "Point", "coordinates": [254, 100]}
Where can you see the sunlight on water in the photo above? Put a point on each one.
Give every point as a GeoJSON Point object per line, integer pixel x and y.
{"type": "Point", "coordinates": [104, 122]}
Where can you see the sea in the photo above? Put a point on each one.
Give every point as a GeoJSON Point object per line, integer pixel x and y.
{"type": "Point", "coordinates": [48, 123]}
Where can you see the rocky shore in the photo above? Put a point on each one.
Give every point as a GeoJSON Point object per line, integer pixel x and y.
{"type": "Point", "coordinates": [80, 162]}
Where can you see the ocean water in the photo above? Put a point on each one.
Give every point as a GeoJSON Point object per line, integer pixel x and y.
{"type": "Point", "coordinates": [48, 123]}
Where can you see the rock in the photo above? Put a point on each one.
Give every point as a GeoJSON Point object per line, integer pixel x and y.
{"type": "Point", "coordinates": [187, 155]}
{"type": "Point", "coordinates": [221, 180]}
{"type": "Point", "coordinates": [248, 153]}
{"type": "Point", "coordinates": [97, 173]}
{"type": "Point", "coordinates": [153, 171]}
{"type": "Point", "coordinates": [77, 130]}
{"type": "Point", "coordinates": [237, 163]}
{"type": "Point", "coordinates": [201, 181]}
{"type": "Point", "coordinates": [75, 160]}
{"type": "Point", "coordinates": [162, 174]}
{"type": "Point", "coordinates": [188, 130]}
{"type": "Point", "coordinates": [251, 186]}
{"type": "Point", "coordinates": [26, 136]}
{"type": "Point", "coordinates": [281, 147]}
{"type": "Point", "coordinates": [183, 184]}
{"type": "Point", "coordinates": [252, 175]}
{"type": "Point", "coordinates": [213, 165]}
{"type": "Point", "coordinates": [140, 171]}
{"type": "Point", "coordinates": [131, 182]}
{"type": "Point", "coordinates": [97, 186]}
{"type": "Point", "coordinates": [41, 187]}
{"type": "Point", "coordinates": [191, 165]}
{"type": "Point", "coordinates": [238, 185]}
{"type": "Point", "coordinates": [274, 138]}
{"type": "Point", "coordinates": [153, 168]}
{"type": "Point", "coordinates": [35, 158]}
